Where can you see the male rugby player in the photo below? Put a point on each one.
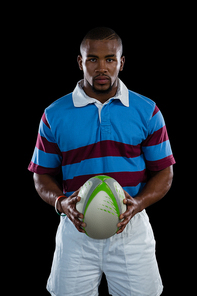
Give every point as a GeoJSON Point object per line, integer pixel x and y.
{"type": "Point", "coordinates": [103, 128]}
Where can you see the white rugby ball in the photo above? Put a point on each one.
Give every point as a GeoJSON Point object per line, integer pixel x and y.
{"type": "Point", "coordinates": [101, 204]}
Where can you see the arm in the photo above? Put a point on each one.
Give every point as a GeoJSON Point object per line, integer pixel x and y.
{"type": "Point", "coordinates": [155, 189]}
{"type": "Point", "coordinates": [49, 190]}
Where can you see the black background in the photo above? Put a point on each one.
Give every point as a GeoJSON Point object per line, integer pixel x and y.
{"type": "Point", "coordinates": [43, 68]}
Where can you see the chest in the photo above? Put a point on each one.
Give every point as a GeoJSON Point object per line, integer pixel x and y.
{"type": "Point", "coordinates": [80, 127]}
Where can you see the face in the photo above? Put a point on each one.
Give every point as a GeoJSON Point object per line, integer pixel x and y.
{"type": "Point", "coordinates": [101, 62]}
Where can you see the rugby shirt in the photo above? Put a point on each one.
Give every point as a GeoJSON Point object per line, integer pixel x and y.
{"type": "Point", "coordinates": [122, 139]}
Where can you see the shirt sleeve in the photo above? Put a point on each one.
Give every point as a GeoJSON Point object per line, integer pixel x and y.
{"type": "Point", "coordinates": [156, 147]}
{"type": "Point", "coordinates": [47, 157]}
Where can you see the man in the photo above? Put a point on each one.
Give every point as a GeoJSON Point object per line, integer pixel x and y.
{"type": "Point", "coordinates": [103, 128]}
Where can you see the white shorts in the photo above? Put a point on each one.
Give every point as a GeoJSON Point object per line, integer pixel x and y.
{"type": "Point", "coordinates": [127, 259]}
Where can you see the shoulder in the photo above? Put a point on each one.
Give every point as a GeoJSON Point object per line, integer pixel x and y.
{"type": "Point", "coordinates": [140, 100]}
{"type": "Point", "coordinates": [62, 102]}
{"type": "Point", "coordinates": [144, 106]}
{"type": "Point", "coordinates": [58, 108]}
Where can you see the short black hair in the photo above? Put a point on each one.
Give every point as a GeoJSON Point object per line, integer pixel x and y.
{"type": "Point", "coordinates": [101, 33]}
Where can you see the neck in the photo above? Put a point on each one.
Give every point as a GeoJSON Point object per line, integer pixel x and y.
{"type": "Point", "coordinates": [99, 95]}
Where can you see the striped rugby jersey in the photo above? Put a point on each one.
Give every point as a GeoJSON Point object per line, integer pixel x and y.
{"type": "Point", "coordinates": [125, 138]}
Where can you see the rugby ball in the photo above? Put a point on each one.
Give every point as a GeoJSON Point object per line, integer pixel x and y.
{"type": "Point", "coordinates": [101, 204]}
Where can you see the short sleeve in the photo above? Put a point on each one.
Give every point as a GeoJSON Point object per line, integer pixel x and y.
{"type": "Point", "coordinates": [156, 148]}
{"type": "Point", "coordinates": [47, 156]}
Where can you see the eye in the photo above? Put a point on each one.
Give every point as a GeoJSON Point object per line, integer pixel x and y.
{"type": "Point", "coordinates": [93, 60]}
{"type": "Point", "coordinates": [109, 60]}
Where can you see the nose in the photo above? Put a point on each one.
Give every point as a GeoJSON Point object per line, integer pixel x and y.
{"type": "Point", "coordinates": [101, 67]}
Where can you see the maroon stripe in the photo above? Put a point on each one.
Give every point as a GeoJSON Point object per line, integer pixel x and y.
{"type": "Point", "coordinates": [160, 164]}
{"type": "Point", "coordinates": [155, 111]}
{"type": "Point", "coordinates": [45, 120]}
{"type": "Point", "coordinates": [157, 137]}
{"type": "Point", "coordinates": [43, 170]}
{"type": "Point", "coordinates": [124, 178]}
{"type": "Point", "coordinates": [100, 149]}
{"type": "Point", "coordinates": [46, 146]}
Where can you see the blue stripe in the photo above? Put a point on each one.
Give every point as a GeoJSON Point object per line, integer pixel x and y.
{"type": "Point", "coordinates": [156, 122]}
{"type": "Point", "coordinates": [44, 131]}
{"type": "Point", "coordinates": [157, 152]}
{"type": "Point", "coordinates": [48, 160]}
{"type": "Point", "coordinates": [134, 190]}
{"type": "Point", "coordinates": [107, 164]}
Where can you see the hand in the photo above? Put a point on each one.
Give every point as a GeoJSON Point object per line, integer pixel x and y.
{"type": "Point", "coordinates": [68, 206]}
{"type": "Point", "coordinates": [133, 207]}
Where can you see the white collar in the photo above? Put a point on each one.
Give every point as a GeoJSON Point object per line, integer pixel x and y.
{"type": "Point", "coordinates": [81, 99]}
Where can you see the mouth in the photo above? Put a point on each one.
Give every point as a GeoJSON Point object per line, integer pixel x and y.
{"type": "Point", "coordinates": [101, 79]}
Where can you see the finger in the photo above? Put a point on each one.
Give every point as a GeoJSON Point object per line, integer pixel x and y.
{"type": "Point", "coordinates": [124, 222]}
{"type": "Point", "coordinates": [75, 193]}
{"type": "Point", "coordinates": [77, 223]}
{"type": "Point", "coordinates": [72, 207]}
{"type": "Point", "coordinates": [75, 199]}
{"type": "Point", "coordinates": [127, 213]}
{"type": "Point", "coordinates": [126, 194]}
{"type": "Point", "coordinates": [72, 200]}
{"type": "Point", "coordinates": [80, 229]}
{"type": "Point", "coordinates": [80, 226]}
{"type": "Point", "coordinates": [127, 197]}
{"type": "Point", "coordinates": [128, 201]}
{"type": "Point", "coordinates": [73, 211]}
{"type": "Point", "coordinates": [121, 229]}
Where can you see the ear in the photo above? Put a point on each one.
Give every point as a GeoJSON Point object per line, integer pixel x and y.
{"type": "Point", "coordinates": [122, 62]}
{"type": "Point", "coordinates": [79, 61]}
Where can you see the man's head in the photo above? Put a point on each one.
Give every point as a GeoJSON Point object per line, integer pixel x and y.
{"type": "Point", "coordinates": [101, 60]}
{"type": "Point", "coordinates": [101, 33]}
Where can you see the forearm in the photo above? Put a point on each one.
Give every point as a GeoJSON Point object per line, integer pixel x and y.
{"type": "Point", "coordinates": [47, 187]}
{"type": "Point", "coordinates": [156, 188]}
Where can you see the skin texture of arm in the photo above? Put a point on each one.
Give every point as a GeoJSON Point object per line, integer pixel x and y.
{"type": "Point", "coordinates": [49, 190]}
{"type": "Point", "coordinates": [155, 189]}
